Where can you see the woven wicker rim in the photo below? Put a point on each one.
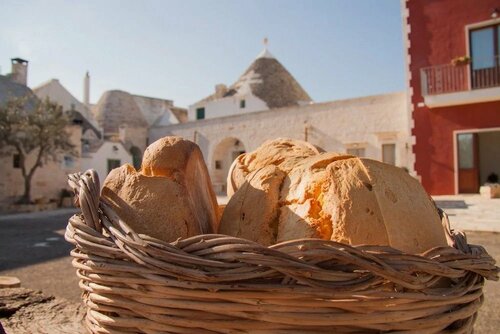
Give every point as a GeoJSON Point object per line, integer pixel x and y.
{"type": "Point", "coordinates": [133, 283]}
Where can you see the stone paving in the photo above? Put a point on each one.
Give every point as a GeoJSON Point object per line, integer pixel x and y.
{"type": "Point", "coordinates": [37, 215]}
{"type": "Point", "coordinates": [471, 212]}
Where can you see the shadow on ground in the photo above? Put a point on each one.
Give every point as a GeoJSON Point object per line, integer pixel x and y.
{"type": "Point", "coordinates": [32, 240]}
{"type": "Point", "coordinates": [451, 204]}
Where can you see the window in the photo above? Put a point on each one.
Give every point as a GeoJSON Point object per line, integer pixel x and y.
{"type": "Point", "coordinates": [466, 151]}
{"type": "Point", "coordinates": [16, 161]}
{"type": "Point", "coordinates": [113, 163]}
{"type": "Point", "coordinates": [242, 104]}
{"type": "Point", "coordinates": [485, 53]}
{"type": "Point", "coordinates": [200, 113]}
{"type": "Point", "coordinates": [356, 151]}
{"type": "Point", "coordinates": [68, 161]}
{"type": "Point", "coordinates": [389, 153]}
{"type": "Point", "coordinates": [218, 164]}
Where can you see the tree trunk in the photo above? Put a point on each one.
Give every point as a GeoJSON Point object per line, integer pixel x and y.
{"type": "Point", "coordinates": [26, 198]}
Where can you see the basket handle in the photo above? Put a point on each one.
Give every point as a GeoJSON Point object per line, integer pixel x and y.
{"type": "Point", "coordinates": [86, 189]}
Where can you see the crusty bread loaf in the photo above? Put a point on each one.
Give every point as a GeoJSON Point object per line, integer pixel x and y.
{"type": "Point", "coordinates": [281, 152]}
{"type": "Point", "coordinates": [171, 196]}
{"type": "Point", "coordinates": [335, 197]}
{"type": "Point", "coordinates": [303, 197]}
{"type": "Point", "coordinates": [182, 160]}
{"type": "Point", "coordinates": [368, 192]}
{"type": "Point", "coordinates": [252, 212]}
{"type": "Point", "coordinates": [360, 201]}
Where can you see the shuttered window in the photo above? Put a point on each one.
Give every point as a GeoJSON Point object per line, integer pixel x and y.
{"type": "Point", "coordinates": [200, 113]}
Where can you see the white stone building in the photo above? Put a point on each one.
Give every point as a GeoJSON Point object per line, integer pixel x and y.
{"type": "Point", "coordinates": [266, 84]}
{"type": "Point", "coordinates": [106, 135]}
{"type": "Point", "coordinates": [50, 178]}
{"type": "Point", "coordinates": [106, 156]}
{"type": "Point", "coordinates": [266, 102]}
{"type": "Point", "coordinates": [120, 122]}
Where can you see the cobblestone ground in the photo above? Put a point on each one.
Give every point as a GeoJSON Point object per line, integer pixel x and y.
{"type": "Point", "coordinates": [32, 248]}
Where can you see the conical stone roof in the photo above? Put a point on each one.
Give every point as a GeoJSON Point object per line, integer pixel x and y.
{"type": "Point", "coordinates": [270, 81]}
{"type": "Point", "coordinates": [115, 108]}
{"type": "Point", "coordinates": [273, 83]}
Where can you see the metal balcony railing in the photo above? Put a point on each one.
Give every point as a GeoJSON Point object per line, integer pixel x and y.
{"type": "Point", "coordinates": [448, 78]}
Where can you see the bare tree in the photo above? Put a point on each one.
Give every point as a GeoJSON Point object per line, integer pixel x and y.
{"type": "Point", "coordinates": [37, 129]}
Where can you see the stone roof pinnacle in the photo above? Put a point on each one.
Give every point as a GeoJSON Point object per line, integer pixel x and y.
{"type": "Point", "coordinates": [265, 53]}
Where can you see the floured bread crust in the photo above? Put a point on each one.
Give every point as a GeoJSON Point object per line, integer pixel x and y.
{"type": "Point", "coordinates": [381, 204]}
{"type": "Point", "coordinates": [252, 212]}
{"type": "Point", "coordinates": [303, 198]}
{"type": "Point", "coordinates": [281, 152]}
{"type": "Point", "coordinates": [332, 196]}
{"type": "Point", "coordinates": [171, 196]}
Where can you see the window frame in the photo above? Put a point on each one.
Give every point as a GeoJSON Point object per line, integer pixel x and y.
{"type": "Point", "coordinates": [496, 44]}
{"type": "Point", "coordinates": [467, 29]}
{"type": "Point", "coordinates": [200, 111]}
{"type": "Point", "coordinates": [393, 144]}
{"type": "Point", "coordinates": [16, 161]}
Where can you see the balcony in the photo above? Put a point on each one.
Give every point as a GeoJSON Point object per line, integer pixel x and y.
{"type": "Point", "coordinates": [449, 85]}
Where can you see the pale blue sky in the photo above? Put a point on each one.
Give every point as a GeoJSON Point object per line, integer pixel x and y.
{"type": "Point", "coordinates": [180, 49]}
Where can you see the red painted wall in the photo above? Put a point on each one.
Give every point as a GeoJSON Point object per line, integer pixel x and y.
{"type": "Point", "coordinates": [437, 35]}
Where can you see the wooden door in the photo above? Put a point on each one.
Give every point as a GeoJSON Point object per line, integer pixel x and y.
{"type": "Point", "coordinates": [468, 163]}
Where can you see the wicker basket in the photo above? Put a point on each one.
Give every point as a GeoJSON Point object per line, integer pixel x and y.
{"type": "Point", "coordinates": [133, 283]}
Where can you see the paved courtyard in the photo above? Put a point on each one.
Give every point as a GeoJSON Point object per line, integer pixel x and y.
{"type": "Point", "coordinates": [32, 248]}
{"type": "Point", "coordinates": [471, 212]}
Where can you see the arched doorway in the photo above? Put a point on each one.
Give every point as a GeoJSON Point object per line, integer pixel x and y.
{"type": "Point", "coordinates": [224, 154]}
{"type": "Point", "coordinates": [136, 157]}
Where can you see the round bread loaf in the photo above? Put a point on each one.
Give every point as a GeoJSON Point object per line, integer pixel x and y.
{"type": "Point", "coordinates": [171, 196]}
{"type": "Point", "coordinates": [168, 155]}
{"type": "Point", "coordinates": [359, 201]}
{"type": "Point", "coordinates": [152, 205]}
{"type": "Point", "coordinates": [281, 152]}
{"type": "Point", "coordinates": [253, 211]}
{"type": "Point", "coordinates": [302, 199]}
{"type": "Point", "coordinates": [335, 197]}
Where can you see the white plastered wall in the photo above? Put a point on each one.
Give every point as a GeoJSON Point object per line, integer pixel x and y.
{"type": "Point", "coordinates": [99, 160]}
{"type": "Point", "coordinates": [369, 121]}
{"type": "Point", "coordinates": [48, 180]}
{"type": "Point", "coordinates": [228, 106]}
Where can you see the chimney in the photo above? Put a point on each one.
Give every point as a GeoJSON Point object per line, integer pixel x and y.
{"type": "Point", "coordinates": [220, 90]}
{"type": "Point", "coordinates": [19, 71]}
{"type": "Point", "coordinates": [86, 89]}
